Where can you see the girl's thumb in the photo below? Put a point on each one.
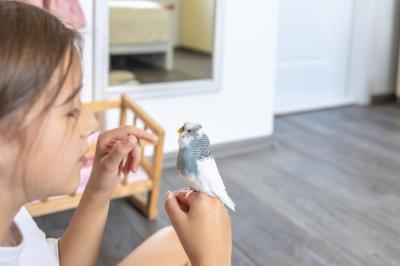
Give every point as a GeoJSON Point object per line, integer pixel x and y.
{"type": "Point", "coordinates": [174, 211]}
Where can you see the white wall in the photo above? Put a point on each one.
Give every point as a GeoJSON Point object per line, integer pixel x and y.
{"type": "Point", "coordinates": [384, 42]}
{"type": "Point", "coordinates": [197, 25]}
{"type": "Point", "coordinates": [243, 108]}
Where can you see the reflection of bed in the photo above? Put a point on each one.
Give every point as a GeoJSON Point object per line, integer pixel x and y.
{"type": "Point", "coordinates": [141, 27]}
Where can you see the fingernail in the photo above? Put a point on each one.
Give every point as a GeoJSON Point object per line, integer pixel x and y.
{"type": "Point", "coordinates": [125, 141]}
{"type": "Point", "coordinates": [167, 195]}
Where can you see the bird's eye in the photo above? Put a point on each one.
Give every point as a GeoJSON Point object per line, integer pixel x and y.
{"type": "Point", "coordinates": [189, 131]}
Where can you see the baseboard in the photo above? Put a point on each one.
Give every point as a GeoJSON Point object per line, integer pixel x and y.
{"type": "Point", "coordinates": [228, 149]}
{"type": "Point", "coordinates": [307, 106]}
{"type": "Point", "coordinates": [383, 99]}
{"type": "Point", "coordinates": [192, 50]}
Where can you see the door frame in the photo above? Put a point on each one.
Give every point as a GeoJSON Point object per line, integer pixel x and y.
{"type": "Point", "coordinates": [360, 52]}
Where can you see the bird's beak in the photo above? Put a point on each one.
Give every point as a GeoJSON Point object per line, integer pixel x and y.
{"type": "Point", "coordinates": [180, 130]}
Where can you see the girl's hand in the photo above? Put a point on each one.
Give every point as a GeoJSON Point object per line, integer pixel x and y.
{"type": "Point", "coordinates": [117, 151]}
{"type": "Point", "coordinates": [203, 226]}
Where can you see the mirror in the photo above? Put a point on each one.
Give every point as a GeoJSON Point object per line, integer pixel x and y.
{"type": "Point", "coordinates": [159, 41]}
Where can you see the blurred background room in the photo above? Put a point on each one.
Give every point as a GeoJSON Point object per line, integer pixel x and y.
{"type": "Point", "coordinates": [299, 99]}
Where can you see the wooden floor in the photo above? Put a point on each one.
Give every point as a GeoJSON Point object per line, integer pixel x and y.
{"type": "Point", "coordinates": [327, 193]}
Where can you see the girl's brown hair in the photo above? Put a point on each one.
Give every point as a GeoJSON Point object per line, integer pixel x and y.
{"type": "Point", "coordinates": [33, 45]}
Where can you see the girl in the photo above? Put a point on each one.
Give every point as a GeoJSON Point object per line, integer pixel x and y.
{"type": "Point", "coordinates": [43, 132]}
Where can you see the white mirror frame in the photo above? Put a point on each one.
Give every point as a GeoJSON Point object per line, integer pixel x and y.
{"type": "Point", "coordinates": [167, 89]}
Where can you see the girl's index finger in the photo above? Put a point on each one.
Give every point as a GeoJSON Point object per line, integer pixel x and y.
{"type": "Point", "coordinates": [141, 134]}
{"type": "Point", "coordinates": [122, 132]}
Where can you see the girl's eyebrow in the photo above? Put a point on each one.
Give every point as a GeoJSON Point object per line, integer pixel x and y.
{"type": "Point", "coordinates": [72, 96]}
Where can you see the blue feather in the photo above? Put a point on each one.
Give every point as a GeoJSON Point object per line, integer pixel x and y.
{"type": "Point", "coordinates": [186, 163]}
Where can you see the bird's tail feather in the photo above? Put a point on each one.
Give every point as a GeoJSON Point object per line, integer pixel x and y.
{"type": "Point", "coordinates": [227, 201]}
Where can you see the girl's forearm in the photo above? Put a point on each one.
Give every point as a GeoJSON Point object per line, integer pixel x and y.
{"type": "Point", "coordinates": [80, 243]}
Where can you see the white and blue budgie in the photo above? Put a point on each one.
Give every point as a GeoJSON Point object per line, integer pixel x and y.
{"type": "Point", "coordinates": [197, 166]}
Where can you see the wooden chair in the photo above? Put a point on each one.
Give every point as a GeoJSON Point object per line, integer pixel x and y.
{"type": "Point", "coordinates": [142, 193]}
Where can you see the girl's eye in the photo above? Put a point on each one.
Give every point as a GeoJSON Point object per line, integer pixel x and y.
{"type": "Point", "coordinates": [74, 112]}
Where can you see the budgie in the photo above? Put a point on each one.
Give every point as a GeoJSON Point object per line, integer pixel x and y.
{"type": "Point", "coordinates": [197, 166]}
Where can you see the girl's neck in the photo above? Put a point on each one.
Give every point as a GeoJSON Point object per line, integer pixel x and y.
{"type": "Point", "coordinates": [8, 210]}
{"type": "Point", "coordinates": [12, 237]}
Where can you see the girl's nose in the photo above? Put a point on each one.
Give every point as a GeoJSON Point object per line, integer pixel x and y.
{"type": "Point", "coordinates": [91, 124]}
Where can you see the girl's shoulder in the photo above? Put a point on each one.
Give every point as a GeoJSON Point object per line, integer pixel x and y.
{"type": "Point", "coordinates": [34, 249]}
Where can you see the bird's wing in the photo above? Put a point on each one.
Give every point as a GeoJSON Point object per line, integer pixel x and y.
{"type": "Point", "coordinates": [201, 148]}
{"type": "Point", "coordinates": [208, 172]}
{"type": "Point", "coordinates": [210, 176]}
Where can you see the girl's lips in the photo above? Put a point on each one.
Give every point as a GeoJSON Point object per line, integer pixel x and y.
{"type": "Point", "coordinates": [86, 159]}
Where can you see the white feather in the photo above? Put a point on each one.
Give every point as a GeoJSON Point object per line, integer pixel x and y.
{"type": "Point", "coordinates": [209, 181]}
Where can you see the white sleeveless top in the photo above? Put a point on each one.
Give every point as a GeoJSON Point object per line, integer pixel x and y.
{"type": "Point", "coordinates": [34, 249]}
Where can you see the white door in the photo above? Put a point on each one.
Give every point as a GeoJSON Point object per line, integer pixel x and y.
{"type": "Point", "coordinates": [314, 41]}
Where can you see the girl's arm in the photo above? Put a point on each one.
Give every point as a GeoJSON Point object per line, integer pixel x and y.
{"type": "Point", "coordinates": [81, 241]}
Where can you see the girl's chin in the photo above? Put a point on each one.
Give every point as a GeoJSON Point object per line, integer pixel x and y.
{"type": "Point", "coordinates": [65, 185]}
{"type": "Point", "coordinates": [70, 187]}
{"type": "Point", "coordinates": [73, 182]}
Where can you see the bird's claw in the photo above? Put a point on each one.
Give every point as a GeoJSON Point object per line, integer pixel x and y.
{"type": "Point", "coordinates": [188, 190]}
{"type": "Point", "coordinates": [188, 193]}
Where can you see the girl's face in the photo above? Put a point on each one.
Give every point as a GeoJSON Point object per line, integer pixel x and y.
{"type": "Point", "coordinates": [51, 162]}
